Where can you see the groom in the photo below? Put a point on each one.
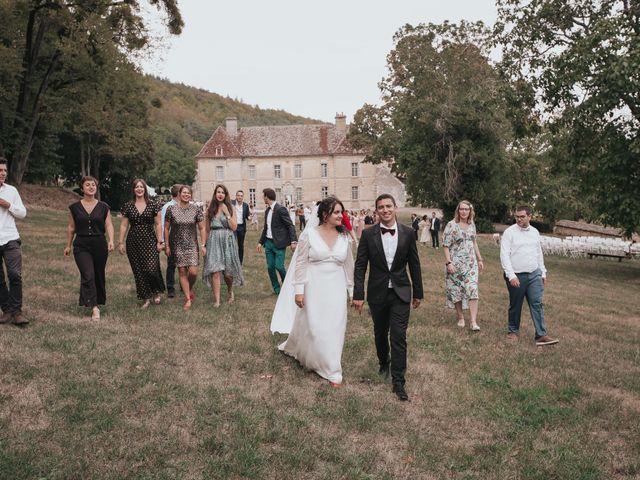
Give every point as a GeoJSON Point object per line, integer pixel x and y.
{"type": "Point", "coordinates": [388, 247]}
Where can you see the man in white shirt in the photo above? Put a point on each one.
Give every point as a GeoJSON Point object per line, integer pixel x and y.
{"type": "Point", "coordinates": [242, 215]}
{"type": "Point", "coordinates": [525, 275]}
{"type": "Point", "coordinates": [171, 262]}
{"type": "Point", "coordinates": [11, 207]}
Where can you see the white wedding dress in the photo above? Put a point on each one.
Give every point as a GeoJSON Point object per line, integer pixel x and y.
{"type": "Point", "coordinates": [285, 311]}
{"type": "Point", "coordinates": [325, 276]}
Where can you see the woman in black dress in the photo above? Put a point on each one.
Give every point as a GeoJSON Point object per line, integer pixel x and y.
{"type": "Point", "coordinates": [141, 217]}
{"type": "Point", "coordinates": [182, 222]}
{"type": "Point", "coordinates": [89, 219]}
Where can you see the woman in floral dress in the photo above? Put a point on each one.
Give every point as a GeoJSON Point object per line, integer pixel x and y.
{"type": "Point", "coordinates": [463, 261]}
{"type": "Point", "coordinates": [222, 249]}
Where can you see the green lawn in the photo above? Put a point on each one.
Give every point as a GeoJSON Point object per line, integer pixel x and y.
{"type": "Point", "coordinates": [160, 394]}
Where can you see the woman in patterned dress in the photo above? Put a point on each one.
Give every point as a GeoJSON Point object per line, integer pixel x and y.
{"type": "Point", "coordinates": [89, 220]}
{"type": "Point", "coordinates": [182, 222]}
{"type": "Point", "coordinates": [222, 249]}
{"type": "Point", "coordinates": [141, 225]}
{"type": "Point", "coordinates": [463, 261]}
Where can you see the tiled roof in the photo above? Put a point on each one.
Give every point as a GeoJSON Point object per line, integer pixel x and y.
{"type": "Point", "coordinates": [278, 141]}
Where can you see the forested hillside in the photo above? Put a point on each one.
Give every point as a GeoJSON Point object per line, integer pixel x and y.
{"type": "Point", "coordinates": [182, 118]}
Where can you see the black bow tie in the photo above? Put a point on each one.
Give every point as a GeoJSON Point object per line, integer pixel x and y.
{"type": "Point", "coordinates": [392, 231]}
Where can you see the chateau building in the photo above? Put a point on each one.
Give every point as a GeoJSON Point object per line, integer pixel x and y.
{"type": "Point", "coordinates": [302, 163]}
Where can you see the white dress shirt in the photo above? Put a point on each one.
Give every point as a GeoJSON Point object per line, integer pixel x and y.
{"type": "Point", "coordinates": [239, 213]}
{"type": "Point", "coordinates": [269, 217]}
{"type": "Point", "coordinates": [390, 245]}
{"type": "Point", "coordinates": [8, 229]}
{"type": "Point", "coordinates": [520, 251]}
{"type": "Point", "coordinates": [163, 214]}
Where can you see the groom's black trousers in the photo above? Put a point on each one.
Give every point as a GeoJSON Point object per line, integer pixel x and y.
{"type": "Point", "coordinates": [390, 320]}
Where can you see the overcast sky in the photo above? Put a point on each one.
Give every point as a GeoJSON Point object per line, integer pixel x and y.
{"type": "Point", "coordinates": [308, 58]}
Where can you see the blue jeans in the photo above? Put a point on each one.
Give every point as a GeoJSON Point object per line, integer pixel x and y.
{"type": "Point", "coordinates": [531, 288]}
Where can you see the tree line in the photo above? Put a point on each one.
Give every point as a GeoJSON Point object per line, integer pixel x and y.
{"type": "Point", "coordinates": [554, 123]}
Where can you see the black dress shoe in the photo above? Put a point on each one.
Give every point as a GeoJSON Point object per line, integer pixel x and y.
{"type": "Point", "coordinates": [400, 393]}
{"type": "Point", "coordinates": [384, 370]}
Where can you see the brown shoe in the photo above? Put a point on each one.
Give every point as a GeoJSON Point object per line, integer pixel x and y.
{"type": "Point", "coordinates": [545, 340]}
{"type": "Point", "coordinates": [513, 337]}
{"type": "Point", "coordinates": [19, 319]}
{"type": "Point", "coordinates": [6, 317]}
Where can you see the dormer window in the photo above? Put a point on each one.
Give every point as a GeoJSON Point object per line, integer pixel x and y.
{"type": "Point", "coordinates": [219, 151]}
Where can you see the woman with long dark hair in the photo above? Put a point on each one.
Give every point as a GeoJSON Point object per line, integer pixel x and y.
{"type": "Point", "coordinates": [89, 220]}
{"type": "Point", "coordinates": [222, 250]}
{"type": "Point", "coordinates": [141, 225]}
{"type": "Point", "coordinates": [182, 222]}
{"type": "Point", "coordinates": [323, 279]}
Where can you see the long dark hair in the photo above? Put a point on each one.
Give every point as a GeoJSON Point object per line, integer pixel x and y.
{"type": "Point", "coordinates": [326, 208]}
{"type": "Point", "coordinates": [133, 190]}
{"type": "Point", "coordinates": [212, 211]}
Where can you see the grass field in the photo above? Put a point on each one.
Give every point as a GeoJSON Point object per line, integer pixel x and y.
{"type": "Point", "coordinates": [160, 394]}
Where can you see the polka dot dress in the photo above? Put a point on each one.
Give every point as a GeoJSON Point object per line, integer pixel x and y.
{"type": "Point", "coordinates": [141, 249]}
{"type": "Point", "coordinates": [183, 236]}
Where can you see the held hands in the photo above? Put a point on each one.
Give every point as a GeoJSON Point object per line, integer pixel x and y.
{"type": "Point", "coordinates": [167, 251]}
{"type": "Point", "coordinates": [299, 299]}
{"type": "Point", "coordinates": [358, 305]}
{"type": "Point", "coordinates": [160, 246]}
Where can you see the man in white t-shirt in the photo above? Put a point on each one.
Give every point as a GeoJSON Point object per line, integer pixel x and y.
{"type": "Point", "coordinates": [11, 207]}
{"type": "Point", "coordinates": [525, 274]}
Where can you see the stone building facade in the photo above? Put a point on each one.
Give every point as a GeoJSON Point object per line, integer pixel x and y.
{"type": "Point", "coordinates": [302, 163]}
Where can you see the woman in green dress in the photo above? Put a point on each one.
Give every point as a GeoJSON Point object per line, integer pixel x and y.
{"type": "Point", "coordinates": [463, 261]}
{"type": "Point", "coordinates": [222, 249]}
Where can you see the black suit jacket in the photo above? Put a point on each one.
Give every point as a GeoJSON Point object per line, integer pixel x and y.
{"type": "Point", "coordinates": [435, 223]}
{"type": "Point", "coordinates": [245, 215]}
{"type": "Point", "coordinates": [282, 228]}
{"type": "Point", "coordinates": [371, 252]}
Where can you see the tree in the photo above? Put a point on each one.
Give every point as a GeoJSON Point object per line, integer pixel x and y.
{"type": "Point", "coordinates": [443, 120]}
{"type": "Point", "coordinates": [40, 32]}
{"type": "Point", "coordinates": [582, 59]}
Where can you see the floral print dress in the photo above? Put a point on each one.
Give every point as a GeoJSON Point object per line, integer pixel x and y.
{"type": "Point", "coordinates": [461, 286]}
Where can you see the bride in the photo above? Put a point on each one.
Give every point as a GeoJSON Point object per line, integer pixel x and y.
{"type": "Point", "coordinates": [323, 276]}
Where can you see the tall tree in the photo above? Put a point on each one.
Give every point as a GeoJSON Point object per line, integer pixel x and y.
{"type": "Point", "coordinates": [41, 32]}
{"type": "Point", "coordinates": [443, 120]}
{"type": "Point", "coordinates": [582, 58]}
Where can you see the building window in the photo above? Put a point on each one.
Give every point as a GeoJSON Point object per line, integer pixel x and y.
{"type": "Point", "coordinates": [252, 195]}
{"type": "Point", "coordinates": [297, 170]}
{"type": "Point", "coordinates": [355, 169]}
{"type": "Point", "coordinates": [219, 151]}
{"type": "Point", "coordinates": [354, 192]}
{"type": "Point", "coordinates": [276, 171]}
{"type": "Point", "coordinates": [220, 173]}
{"type": "Point", "coordinates": [325, 191]}
{"type": "Point", "coordinates": [323, 170]}
{"type": "Point", "coordinates": [252, 172]}
{"type": "Point", "coordinates": [299, 195]}
{"type": "Point", "coordinates": [279, 195]}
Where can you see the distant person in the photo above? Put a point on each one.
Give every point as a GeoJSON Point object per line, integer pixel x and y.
{"type": "Point", "coordinates": [89, 220]}
{"type": "Point", "coordinates": [301, 218]}
{"type": "Point", "coordinates": [277, 234]}
{"type": "Point", "coordinates": [415, 224]}
{"type": "Point", "coordinates": [241, 215]}
{"type": "Point", "coordinates": [11, 207]}
{"type": "Point", "coordinates": [368, 219]}
{"type": "Point", "coordinates": [387, 250]}
{"type": "Point", "coordinates": [171, 261]}
{"type": "Point", "coordinates": [141, 225]}
{"type": "Point", "coordinates": [222, 258]}
{"type": "Point", "coordinates": [463, 262]}
{"type": "Point", "coordinates": [182, 223]}
{"type": "Point", "coordinates": [434, 229]}
{"type": "Point", "coordinates": [254, 217]}
{"type": "Point", "coordinates": [423, 230]}
{"type": "Point", "coordinates": [525, 275]}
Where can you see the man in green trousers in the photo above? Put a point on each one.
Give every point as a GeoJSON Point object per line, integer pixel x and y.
{"type": "Point", "coordinates": [277, 234]}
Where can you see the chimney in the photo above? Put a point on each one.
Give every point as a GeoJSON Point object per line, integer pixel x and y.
{"type": "Point", "coordinates": [231, 125]}
{"type": "Point", "coordinates": [341, 122]}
